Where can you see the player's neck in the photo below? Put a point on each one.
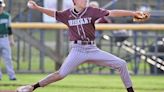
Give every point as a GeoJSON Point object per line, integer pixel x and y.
{"type": "Point", "coordinates": [1, 12]}
{"type": "Point", "coordinates": [79, 9]}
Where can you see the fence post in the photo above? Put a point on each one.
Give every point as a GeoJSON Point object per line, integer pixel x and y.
{"type": "Point", "coordinates": [59, 40]}
{"type": "Point", "coordinates": [135, 54]}
{"type": "Point", "coordinates": [156, 52]}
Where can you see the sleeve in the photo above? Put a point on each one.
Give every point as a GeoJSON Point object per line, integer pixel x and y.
{"type": "Point", "coordinates": [99, 13]}
{"type": "Point", "coordinates": [9, 21]}
{"type": "Point", "coordinates": [61, 16]}
{"type": "Point", "coordinates": [10, 32]}
{"type": "Point", "coordinates": [9, 26]}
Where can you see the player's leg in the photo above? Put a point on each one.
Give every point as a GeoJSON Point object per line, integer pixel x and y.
{"type": "Point", "coordinates": [0, 57]}
{"type": "Point", "coordinates": [0, 74]}
{"type": "Point", "coordinates": [6, 54]}
{"type": "Point", "coordinates": [74, 59]}
{"type": "Point", "coordinates": [106, 59]}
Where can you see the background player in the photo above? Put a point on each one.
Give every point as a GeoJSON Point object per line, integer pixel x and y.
{"type": "Point", "coordinates": [5, 41]}
{"type": "Point", "coordinates": [80, 20]}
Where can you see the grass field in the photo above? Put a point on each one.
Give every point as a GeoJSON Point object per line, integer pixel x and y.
{"type": "Point", "coordinates": [88, 83]}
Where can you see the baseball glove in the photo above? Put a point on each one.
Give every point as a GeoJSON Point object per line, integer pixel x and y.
{"type": "Point", "coordinates": [141, 16]}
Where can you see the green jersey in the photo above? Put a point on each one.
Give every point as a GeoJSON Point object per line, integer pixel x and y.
{"type": "Point", "coordinates": [5, 21]}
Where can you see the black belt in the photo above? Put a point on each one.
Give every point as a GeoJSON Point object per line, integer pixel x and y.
{"type": "Point", "coordinates": [3, 36]}
{"type": "Point", "coordinates": [84, 42]}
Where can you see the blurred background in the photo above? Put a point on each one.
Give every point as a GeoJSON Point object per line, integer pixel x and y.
{"type": "Point", "coordinates": [39, 50]}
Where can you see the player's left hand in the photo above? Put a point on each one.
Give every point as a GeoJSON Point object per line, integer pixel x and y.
{"type": "Point", "coordinates": [12, 43]}
{"type": "Point", "coordinates": [140, 16]}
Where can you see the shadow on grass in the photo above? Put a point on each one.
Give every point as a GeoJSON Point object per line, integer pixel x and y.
{"type": "Point", "coordinates": [102, 87]}
{"type": "Point", "coordinates": [84, 87]}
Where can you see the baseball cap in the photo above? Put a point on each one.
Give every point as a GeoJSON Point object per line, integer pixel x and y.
{"type": "Point", "coordinates": [2, 3]}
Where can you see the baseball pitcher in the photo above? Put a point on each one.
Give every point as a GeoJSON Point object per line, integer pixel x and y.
{"type": "Point", "coordinates": [80, 20]}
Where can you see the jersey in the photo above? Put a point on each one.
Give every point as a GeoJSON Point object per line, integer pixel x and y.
{"type": "Point", "coordinates": [81, 25]}
{"type": "Point", "coordinates": [104, 20]}
{"type": "Point", "coordinates": [5, 21]}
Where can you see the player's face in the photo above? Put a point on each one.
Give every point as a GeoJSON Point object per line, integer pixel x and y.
{"type": "Point", "coordinates": [1, 9]}
{"type": "Point", "coordinates": [81, 3]}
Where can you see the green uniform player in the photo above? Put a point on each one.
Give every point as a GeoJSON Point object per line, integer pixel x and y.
{"type": "Point", "coordinates": [6, 40]}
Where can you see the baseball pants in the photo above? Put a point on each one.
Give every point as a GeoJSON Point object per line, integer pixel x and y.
{"type": "Point", "coordinates": [5, 52]}
{"type": "Point", "coordinates": [82, 53]}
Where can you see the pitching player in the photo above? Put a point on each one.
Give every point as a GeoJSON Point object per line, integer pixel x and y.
{"type": "Point", "coordinates": [80, 20]}
{"type": "Point", "coordinates": [6, 39]}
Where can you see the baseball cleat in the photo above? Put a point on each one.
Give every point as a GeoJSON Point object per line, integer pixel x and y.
{"type": "Point", "coordinates": [13, 79]}
{"type": "Point", "coordinates": [27, 88]}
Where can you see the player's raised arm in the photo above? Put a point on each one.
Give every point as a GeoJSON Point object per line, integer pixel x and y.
{"type": "Point", "coordinates": [32, 5]}
{"type": "Point", "coordinates": [137, 15]}
{"type": "Point", "coordinates": [121, 13]}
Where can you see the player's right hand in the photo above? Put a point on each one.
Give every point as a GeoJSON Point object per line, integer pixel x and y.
{"type": "Point", "coordinates": [31, 4]}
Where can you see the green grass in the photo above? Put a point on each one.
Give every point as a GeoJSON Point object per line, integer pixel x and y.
{"type": "Point", "coordinates": [89, 83]}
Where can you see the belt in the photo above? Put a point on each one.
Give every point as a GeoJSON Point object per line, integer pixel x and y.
{"type": "Point", "coordinates": [3, 36]}
{"type": "Point", "coordinates": [83, 42]}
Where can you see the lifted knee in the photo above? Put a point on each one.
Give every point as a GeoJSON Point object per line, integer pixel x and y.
{"type": "Point", "coordinates": [59, 76]}
{"type": "Point", "coordinates": [123, 63]}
